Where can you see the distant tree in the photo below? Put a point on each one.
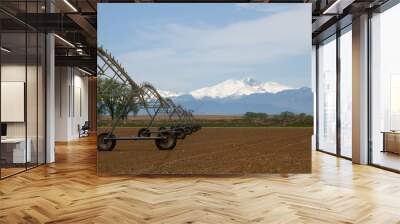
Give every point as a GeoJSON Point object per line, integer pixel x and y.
{"type": "Point", "coordinates": [115, 99]}
{"type": "Point", "coordinates": [253, 115]}
{"type": "Point", "coordinates": [127, 103]}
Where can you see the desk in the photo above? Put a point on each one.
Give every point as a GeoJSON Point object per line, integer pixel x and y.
{"type": "Point", "coordinates": [391, 141]}
{"type": "Point", "coordinates": [13, 150]}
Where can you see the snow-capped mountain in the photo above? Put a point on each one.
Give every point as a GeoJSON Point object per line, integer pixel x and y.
{"type": "Point", "coordinates": [166, 93]}
{"type": "Point", "coordinates": [235, 96]}
{"type": "Point", "coordinates": [236, 88]}
{"type": "Point", "coordinates": [293, 100]}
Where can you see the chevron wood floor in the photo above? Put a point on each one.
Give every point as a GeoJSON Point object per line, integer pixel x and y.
{"type": "Point", "coordinates": [70, 192]}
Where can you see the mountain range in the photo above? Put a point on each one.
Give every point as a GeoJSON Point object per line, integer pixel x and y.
{"type": "Point", "coordinates": [237, 88]}
{"type": "Point", "coordinates": [235, 97]}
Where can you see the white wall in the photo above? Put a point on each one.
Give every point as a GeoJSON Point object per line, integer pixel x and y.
{"type": "Point", "coordinates": [71, 102]}
{"type": "Point", "coordinates": [33, 126]}
{"type": "Point", "coordinates": [79, 112]}
{"type": "Point", "coordinates": [14, 73]}
{"type": "Point", "coordinates": [17, 73]}
{"type": "Point", "coordinates": [62, 82]}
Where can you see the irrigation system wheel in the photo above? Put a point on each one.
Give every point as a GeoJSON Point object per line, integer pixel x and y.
{"type": "Point", "coordinates": [180, 133]}
{"type": "Point", "coordinates": [188, 130]}
{"type": "Point", "coordinates": [168, 143]}
{"type": "Point", "coordinates": [144, 132]}
{"type": "Point", "coordinates": [106, 144]}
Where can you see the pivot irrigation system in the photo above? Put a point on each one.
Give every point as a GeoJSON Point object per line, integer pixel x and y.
{"type": "Point", "coordinates": [177, 122]}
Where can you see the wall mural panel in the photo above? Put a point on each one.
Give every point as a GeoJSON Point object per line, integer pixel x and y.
{"type": "Point", "coordinates": [218, 89]}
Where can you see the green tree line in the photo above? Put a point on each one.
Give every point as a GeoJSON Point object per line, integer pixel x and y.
{"type": "Point", "coordinates": [284, 119]}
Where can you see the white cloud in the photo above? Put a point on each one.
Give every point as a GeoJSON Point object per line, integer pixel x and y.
{"type": "Point", "coordinates": [267, 7]}
{"type": "Point", "coordinates": [201, 51]}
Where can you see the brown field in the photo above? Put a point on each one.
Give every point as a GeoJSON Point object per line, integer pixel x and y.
{"type": "Point", "coordinates": [214, 151]}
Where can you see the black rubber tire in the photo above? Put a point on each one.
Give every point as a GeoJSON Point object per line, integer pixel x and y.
{"type": "Point", "coordinates": [196, 128]}
{"type": "Point", "coordinates": [162, 130]}
{"type": "Point", "coordinates": [166, 144]}
{"type": "Point", "coordinates": [144, 132]}
{"type": "Point", "coordinates": [188, 130]}
{"type": "Point", "coordinates": [106, 145]}
{"type": "Point", "coordinates": [180, 133]}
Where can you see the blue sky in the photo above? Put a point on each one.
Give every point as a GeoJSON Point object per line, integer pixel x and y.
{"type": "Point", "coordinates": [182, 47]}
